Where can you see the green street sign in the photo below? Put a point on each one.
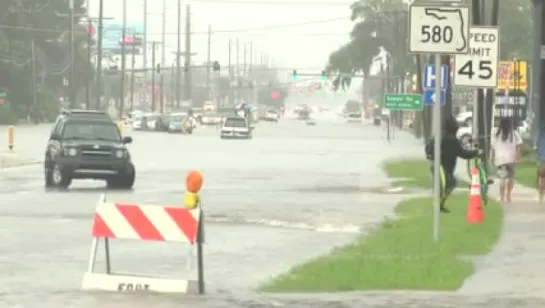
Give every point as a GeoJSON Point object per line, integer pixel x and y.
{"type": "Point", "coordinates": [403, 101]}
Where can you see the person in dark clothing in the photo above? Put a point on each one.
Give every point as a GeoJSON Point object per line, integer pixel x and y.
{"type": "Point", "coordinates": [451, 149]}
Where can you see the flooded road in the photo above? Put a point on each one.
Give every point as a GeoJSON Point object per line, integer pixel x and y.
{"type": "Point", "coordinates": [291, 193]}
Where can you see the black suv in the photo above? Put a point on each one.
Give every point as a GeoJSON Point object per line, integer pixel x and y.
{"type": "Point", "coordinates": [87, 145]}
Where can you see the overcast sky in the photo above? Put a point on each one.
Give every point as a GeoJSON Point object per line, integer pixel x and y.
{"type": "Point", "coordinates": [292, 47]}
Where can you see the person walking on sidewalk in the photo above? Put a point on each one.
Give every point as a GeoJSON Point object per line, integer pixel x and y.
{"type": "Point", "coordinates": [505, 153]}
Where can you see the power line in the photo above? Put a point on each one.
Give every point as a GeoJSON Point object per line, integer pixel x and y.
{"type": "Point", "coordinates": [273, 27]}
{"type": "Point", "coordinates": [299, 24]}
{"type": "Point", "coordinates": [289, 3]}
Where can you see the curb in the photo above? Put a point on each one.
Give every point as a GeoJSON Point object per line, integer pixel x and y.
{"type": "Point", "coordinates": [6, 165]}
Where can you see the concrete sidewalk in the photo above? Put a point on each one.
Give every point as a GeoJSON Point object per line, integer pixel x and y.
{"type": "Point", "coordinates": [516, 265]}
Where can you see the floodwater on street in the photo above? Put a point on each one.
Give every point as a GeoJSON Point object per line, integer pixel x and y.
{"type": "Point", "coordinates": [291, 193]}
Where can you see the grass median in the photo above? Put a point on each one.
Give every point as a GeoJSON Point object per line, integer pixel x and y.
{"type": "Point", "coordinates": [412, 173]}
{"type": "Point", "coordinates": [526, 170]}
{"type": "Point", "coordinates": [401, 254]}
{"type": "Point", "coordinates": [526, 174]}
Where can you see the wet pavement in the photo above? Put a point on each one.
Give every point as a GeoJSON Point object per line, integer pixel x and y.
{"type": "Point", "coordinates": [515, 267]}
{"type": "Point", "coordinates": [291, 193]}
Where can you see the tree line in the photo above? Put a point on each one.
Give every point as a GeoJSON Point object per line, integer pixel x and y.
{"type": "Point", "coordinates": [383, 24]}
{"type": "Point", "coordinates": [35, 59]}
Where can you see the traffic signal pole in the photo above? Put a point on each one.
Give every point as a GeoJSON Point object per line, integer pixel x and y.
{"type": "Point", "coordinates": [178, 50]}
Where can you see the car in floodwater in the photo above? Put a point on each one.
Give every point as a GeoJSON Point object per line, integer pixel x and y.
{"type": "Point", "coordinates": [270, 115]}
{"type": "Point", "coordinates": [210, 118]}
{"type": "Point", "coordinates": [236, 128]}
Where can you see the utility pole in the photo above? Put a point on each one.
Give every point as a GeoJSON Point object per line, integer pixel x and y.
{"type": "Point", "coordinates": [145, 36]}
{"type": "Point", "coordinates": [245, 73]}
{"type": "Point", "coordinates": [153, 68]}
{"type": "Point", "coordinates": [251, 59]}
{"type": "Point", "coordinates": [89, 55]}
{"type": "Point", "coordinates": [208, 66]}
{"type": "Point", "coordinates": [99, 53]}
{"type": "Point", "coordinates": [230, 68]}
{"type": "Point", "coordinates": [133, 52]}
{"type": "Point", "coordinates": [88, 87]}
{"type": "Point", "coordinates": [178, 50]}
{"type": "Point", "coordinates": [122, 77]}
{"type": "Point", "coordinates": [72, 88]}
{"type": "Point", "coordinates": [237, 73]}
{"type": "Point", "coordinates": [187, 62]}
{"type": "Point", "coordinates": [244, 64]}
{"type": "Point", "coordinates": [34, 87]}
{"type": "Point", "coordinates": [163, 59]}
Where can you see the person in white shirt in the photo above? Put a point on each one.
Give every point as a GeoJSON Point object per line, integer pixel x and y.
{"type": "Point", "coordinates": [505, 146]}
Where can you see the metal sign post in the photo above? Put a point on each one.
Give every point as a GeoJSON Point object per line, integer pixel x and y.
{"type": "Point", "coordinates": [438, 29]}
{"type": "Point", "coordinates": [437, 133]}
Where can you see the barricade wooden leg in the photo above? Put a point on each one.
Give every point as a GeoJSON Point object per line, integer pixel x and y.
{"type": "Point", "coordinates": [93, 256]}
{"type": "Point", "coordinates": [107, 255]}
{"type": "Point", "coordinates": [200, 259]}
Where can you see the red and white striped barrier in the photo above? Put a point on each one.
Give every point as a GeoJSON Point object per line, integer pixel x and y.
{"type": "Point", "coordinates": [145, 223]}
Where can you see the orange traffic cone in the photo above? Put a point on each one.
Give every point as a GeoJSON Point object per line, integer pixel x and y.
{"type": "Point", "coordinates": [474, 209]}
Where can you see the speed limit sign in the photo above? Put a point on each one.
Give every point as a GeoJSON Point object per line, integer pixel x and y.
{"type": "Point", "coordinates": [479, 68]}
{"type": "Point", "coordinates": [438, 29]}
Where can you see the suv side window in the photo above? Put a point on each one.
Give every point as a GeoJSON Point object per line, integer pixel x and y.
{"type": "Point", "coordinates": [57, 126]}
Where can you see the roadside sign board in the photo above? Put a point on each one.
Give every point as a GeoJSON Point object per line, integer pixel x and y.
{"type": "Point", "coordinates": [438, 29]}
{"type": "Point", "coordinates": [479, 68]}
{"type": "Point", "coordinates": [429, 97]}
{"type": "Point", "coordinates": [430, 77]}
{"type": "Point", "coordinates": [511, 106]}
{"type": "Point", "coordinates": [394, 101]}
{"type": "Point", "coordinates": [509, 71]}
{"type": "Point", "coordinates": [464, 96]}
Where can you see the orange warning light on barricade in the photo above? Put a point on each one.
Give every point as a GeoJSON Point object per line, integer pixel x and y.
{"type": "Point", "coordinates": [11, 137]}
{"type": "Point", "coordinates": [193, 181]}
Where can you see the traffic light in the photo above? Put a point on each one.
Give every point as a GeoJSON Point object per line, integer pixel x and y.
{"type": "Point", "coordinates": [294, 75]}
{"type": "Point", "coordinates": [324, 76]}
{"type": "Point", "coordinates": [216, 66]}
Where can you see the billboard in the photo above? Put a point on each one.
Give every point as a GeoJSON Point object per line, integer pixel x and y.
{"type": "Point", "coordinates": [112, 40]}
{"type": "Point", "coordinates": [509, 72]}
